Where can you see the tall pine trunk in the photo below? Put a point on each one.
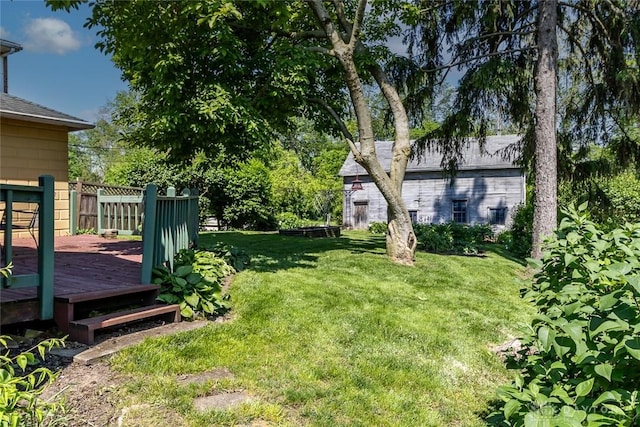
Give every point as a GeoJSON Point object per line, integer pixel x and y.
{"type": "Point", "coordinates": [545, 215]}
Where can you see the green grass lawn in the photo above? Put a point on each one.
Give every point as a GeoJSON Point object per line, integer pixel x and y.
{"type": "Point", "coordinates": [328, 332]}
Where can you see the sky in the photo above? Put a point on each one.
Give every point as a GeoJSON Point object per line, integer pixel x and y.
{"type": "Point", "coordinates": [59, 67]}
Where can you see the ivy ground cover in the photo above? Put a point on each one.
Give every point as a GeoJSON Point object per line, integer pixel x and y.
{"type": "Point", "coordinates": [328, 332]}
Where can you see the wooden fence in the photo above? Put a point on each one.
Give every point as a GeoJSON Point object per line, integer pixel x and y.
{"type": "Point", "coordinates": [83, 203]}
{"type": "Point", "coordinates": [167, 223]}
{"type": "Point", "coordinates": [43, 196]}
{"type": "Point", "coordinates": [122, 213]}
{"type": "Point", "coordinates": [170, 224]}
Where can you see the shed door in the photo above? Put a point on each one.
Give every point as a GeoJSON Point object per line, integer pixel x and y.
{"type": "Point", "coordinates": [360, 215]}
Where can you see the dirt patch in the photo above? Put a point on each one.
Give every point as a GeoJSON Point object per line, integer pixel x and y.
{"type": "Point", "coordinates": [91, 394]}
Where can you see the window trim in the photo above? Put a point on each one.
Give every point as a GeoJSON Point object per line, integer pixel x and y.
{"type": "Point", "coordinates": [501, 213]}
{"type": "Point", "coordinates": [413, 216]}
{"type": "Point", "coordinates": [464, 212]}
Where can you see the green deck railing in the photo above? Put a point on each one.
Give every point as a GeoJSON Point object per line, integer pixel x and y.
{"type": "Point", "coordinates": [170, 224]}
{"type": "Point", "coordinates": [122, 213]}
{"type": "Point", "coordinates": [43, 195]}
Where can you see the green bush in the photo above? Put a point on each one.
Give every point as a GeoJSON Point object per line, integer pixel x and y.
{"type": "Point", "coordinates": [378, 228]}
{"type": "Point", "coordinates": [86, 231]}
{"type": "Point", "coordinates": [614, 200]}
{"type": "Point", "coordinates": [520, 239]}
{"type": "Point", "coordinates": [235, 257]}
{"type": "Point", "coordinates": [21, 402]}
{"type": "Point", "coordinates": [434, 237]}
{"type": "Point", "coordinates": [504, 238]}
{"type": "Point", "coordinates": [195, 283]}
{"type": "Point", "coordinates": [580, 362]}
{"type": "Point", "coordinates": [451, 237]}
{"type": "Point", "coordinates": [287, 220]}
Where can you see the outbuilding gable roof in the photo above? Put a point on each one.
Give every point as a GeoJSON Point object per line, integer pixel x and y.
{"type": "Point", "coordinates": [473, 158]}
{"type": "Point", "coordinates": [12, 107]}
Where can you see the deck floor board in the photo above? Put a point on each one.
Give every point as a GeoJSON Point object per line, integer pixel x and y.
{"type": "Point", "coordinates": [84, 263]}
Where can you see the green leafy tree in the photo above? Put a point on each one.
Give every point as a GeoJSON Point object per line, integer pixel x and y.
{"type": "Point", "coordinates": [142, 166]}
{"type": "Point", "coordinates": [608, 178]}
{"type": "Point", "coordinates": [222, 76]}
{"type": "Point", "coordinates": [93, 152]}
{"type": "Point", "coordinates": [80, 161]}
{"type": "Point", "coordinates": [247, 192]}
{"type": "Point", "coordinates": [290, 182]}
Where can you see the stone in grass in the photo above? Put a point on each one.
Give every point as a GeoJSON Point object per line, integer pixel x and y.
{"type": "Point", "coordinates": [222, 401]}
{"type": "Point", "coordinates": [203, 377]}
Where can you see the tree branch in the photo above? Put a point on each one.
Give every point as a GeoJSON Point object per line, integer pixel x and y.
{"type": "Point", "coordinates": [357, 24]}
{"type": "Point", "coordinates": [588, 12]}
{"type": "Point", "coordinates": [311, 34]}
{"type": "Point", "coordinates": [585, 58]}
{"type": "Point", "coordinates": [344, 22]}
{"type": "Point", "coordinates": [488, 55]}
{"type": "Point", "coordinates": [501, 33]}
{"type": "Point", "coordinates": [320, 49]}
{"type": "Point", "coordinates": [325, 21]}
{"type": "Point", "coordinates": [343, 127]}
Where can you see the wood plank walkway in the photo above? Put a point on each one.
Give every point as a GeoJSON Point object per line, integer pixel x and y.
{"type": "Point", "coordinates": [84, 263]}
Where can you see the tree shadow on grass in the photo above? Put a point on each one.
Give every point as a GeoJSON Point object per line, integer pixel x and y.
{"type": "Point", "coordinates": [501, 251]}
{"type": "Point", "coordinates": [271, 252]}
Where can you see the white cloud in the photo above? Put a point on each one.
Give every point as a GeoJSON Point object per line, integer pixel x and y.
{"type": "Point", "coordinates": [4, 33]}
{"type": "Point", "coordinates": [50, 35]}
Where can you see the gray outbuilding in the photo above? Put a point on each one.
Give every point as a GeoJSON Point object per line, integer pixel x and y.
{"type": "Point", "coordinates": [486, 189]}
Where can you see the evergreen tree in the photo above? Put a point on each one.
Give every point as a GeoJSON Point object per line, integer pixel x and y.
{"type": "Point", "coordinates": [511, 50]}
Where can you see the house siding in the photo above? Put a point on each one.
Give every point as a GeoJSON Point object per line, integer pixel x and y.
{"type": "Point", "coordinates": [431, 196]}
{"type": "Point", "coordinates": [28, 150]}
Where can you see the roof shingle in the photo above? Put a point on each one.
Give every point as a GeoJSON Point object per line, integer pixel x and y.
{"type": "Point", "coordinates": [473, 159]}
{"type": "Point", "coordinates": [21, 109]}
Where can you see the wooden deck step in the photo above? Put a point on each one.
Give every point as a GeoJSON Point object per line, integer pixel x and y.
{"type": "Point", "coordinates": [106, 293]}
{"type": "Point", "coordinates": [70, 307]}
{"type": "Point", "coordinates": [83, 330]}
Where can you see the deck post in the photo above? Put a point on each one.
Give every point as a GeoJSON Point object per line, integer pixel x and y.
{"type": "Point", "coordinates": [194, 216]}
{"type": "Point", "coordinates": [46, 246]}
{"type": "Point", "coordinates": [8, 233]}
{"type": "Point", "coordinates": [73, 212]}
{"type": "Point", "coordinates": [148, 232]}
{"type": "Point", "coordinates": [169, 231]}
{"type": "Point", "coordinates": [100, 210]}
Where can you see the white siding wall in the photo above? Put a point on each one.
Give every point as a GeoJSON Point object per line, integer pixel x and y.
{"type": "Point", "coordinates": [431, 195]}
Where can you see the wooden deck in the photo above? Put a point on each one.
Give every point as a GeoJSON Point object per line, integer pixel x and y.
{"type": "Point", "coordinates": [84, 263]}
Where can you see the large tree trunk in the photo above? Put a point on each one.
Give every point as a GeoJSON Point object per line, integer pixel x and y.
{"type": "Point", "coordinates": [546, 162]}
{"type": "Point", "coordinates": [401, 240]}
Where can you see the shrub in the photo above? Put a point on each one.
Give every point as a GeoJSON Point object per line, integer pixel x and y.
{"type": "Point", "coordinates": [580, 363]}
{"type": "Point", "coordinates": [86, 231]}
{"type": "Point", "coordinates": [288, 220]}
{"type": "Point", "coordinates": [235, 257]}
{"type": "Point", "coordinates": [504, 238]}
{"type": "Point", "coordinates": [378, 228]}
{"type": "Point", "coordinates": [20, 395]}
{"type": "Point", "coordinates": [452, 237]}
{"type": "Point", "coordinates": [434, 237]}
{"type": "Point", "coordinates": [521, 238]}
{"type": "Point", "coordinates": [195, 283]}
{"type": "Point", "coordinates": [614, 199]}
